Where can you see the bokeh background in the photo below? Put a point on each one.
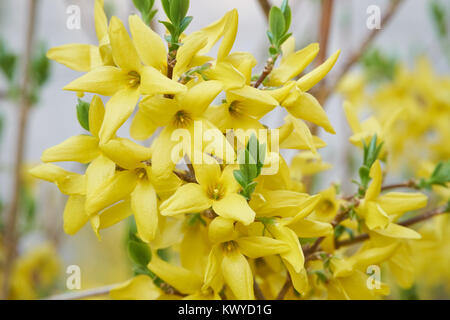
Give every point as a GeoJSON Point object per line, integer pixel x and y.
{"type": "Point", "coordinates": [410, 34]}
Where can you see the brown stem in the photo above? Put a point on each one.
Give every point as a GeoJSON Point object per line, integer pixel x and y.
{"type": "Point", "coordinates": [265, 6]}
{"type": "Point", "coordinates": [285, 288]}
{"type": "Point", "coordinates": [24, 106]}
{"type": "Point", "coordinates": [408, 184]}
{"type": "Point", "coordinates": [259, 295]}
{"type": "Point", "coordinates": [325, 26]}
{"type": "Point", "coordinates": [267, 70]}
{"type": "Point", "coordinates": [422, 217]}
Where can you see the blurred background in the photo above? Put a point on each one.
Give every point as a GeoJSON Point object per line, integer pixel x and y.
{"type": "Point", "coordinates": [418, 29]}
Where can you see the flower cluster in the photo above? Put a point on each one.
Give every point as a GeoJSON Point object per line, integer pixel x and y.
{"type": "Point", "coordinates": [234, 229]}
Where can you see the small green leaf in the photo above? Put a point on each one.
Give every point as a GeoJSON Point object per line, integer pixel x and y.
{"type": "Point", "coordinates": [287, 14]}
{"type": "Point", "coordinates": [139, 252]}
{"type": "Point", "coordinates": [185, 23]}
{"type": "Point", "coordinates": [8, 61]}
{"type": "Point", "coordinates": [40, 67]}
{"type": "Point", "coordinates": [166, 7]}
{"type": "Point", "coordinates": [277, 24]}
{"type": "Point", "coordinates": [83, 114]}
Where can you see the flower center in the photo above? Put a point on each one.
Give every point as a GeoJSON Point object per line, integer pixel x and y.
{"type": "Point", "coordinates": [216, 192]}
{"type": "Point", "coordinates": [326, 207]}
{"type": "Point", "coordinates": [141, 173]}
{"type": "Point", "coordinates": [235, 108]}
{"type": "Point", "coordinates": [229, 246]}
{"type": "Point", "coordinates": [182, 119]}
{"type": "Point", "coordinates": [134, 79]}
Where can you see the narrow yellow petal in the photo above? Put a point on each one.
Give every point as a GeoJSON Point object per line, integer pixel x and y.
{"type": "Point", "coordinates": [101, 22]}
{"type": "Point", "coordinates": [98, 171]}
{"type": "Point", "coordinates": [238, 275]}
{"type": "Point", "coordinates": [221, 230]}
{"type": "Point", "coordinates": [299, 279]}
{"type": "Point", "coordinates": [69, 183]}
{"type": "Point", "coordinates": [96, 115]}
{"type": "Point", "coordinates": [213, 273]}
{"type": "Point", "coordinates": [148, 43]}
{"type": "Point", "coordinates": [78, 57]}
{"type": "Point", "coordinates": [295, 255]}
{"type": "Point", "coordinates": [310, 79]}
{"type": "Point", "coordinates": [182, 279]}
{"type": "Point", "coordinates": [115, 214]}
{"type": "Point", "coordinates": [126, 153]}
{"type": "Point", "coordinates": [207, 175]}
{"type": "Point", "coordinates": [293, 64]}
{"type": "Point", "coordinates": [227, 74]}
{"type": "Point", "coordinates": [230, 31]}
{"type": "Point", "coordinates": [144, 205]}
{"type": "Point", "coordinates": [397, 231]}
{"type": "Point", "coordinates": [195, 237]}
{"type": "Point", "coordinates": [82, 148]}
{"type": "Point", "coordinates": [257, 247]}
{"type": "Point", "coordinates": [189, 198]}
{"type": "Point", "coordinates": [118, 109]}
{"type": "Point", "coordinates": [105, 80]}
{"type": "Point", "coordinates": [142, 125]}
{"type": "Point", "coordinates": [307, 228]}
{"type": "Point", "coordinates": [74, 215]}
{"type": "Point", "coordinates": [352, 117]}
{"type": "Point", "coordinates": [185, 54]}
{"type": "Point", "coordinates": [234, 206]}
{"type": "Point", "coordinates": [111, 191]}
{"type": "Point", "coordinates": [376, 217]}
{"type": "Point", "coordinates": [154, 82]}
{"type": "Point", "coordinates": [200, 96]}
{"type": "Point", "coordinates": [123, 50]}
{"type": "Point", "coordinates": [244, 62]}
{"type": "Point", "coordinates": [377, 179]}
{"type": "Point", "coordinates": [398, 203]}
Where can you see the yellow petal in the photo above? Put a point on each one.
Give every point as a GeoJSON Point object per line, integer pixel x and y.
{"type": "Point", "coordinates": [69, 183]}
{"type": "Point", "coordinates": [96, 115]}
{"type": "Point", "coordinates": [304, 106]}
{"type": "Point", "coordinates": [227, 74]}
{"type": "Point", "coordinates": [352, 117]}
{"type": "Point", "coordinates": [118, 110]}
{"type": "Point", "coordinates": [377, 179]}
{"type": "Point", "coordinates": [142, 126]}
{"type": "Point", "coordinates": [399, 202]}
{"type": "Point", "coordinates": [182, 279]}
{"type": "Point", "coordinates": [234, 206]}
{"type": "Point", "coordinates": [82, 148]}
{"type": "Point", "coordinates": [148, 43]}
{"type": "Point", "coordinates": [111, 191]}
{"type": "Point", "coordinates": [74, 215]}
{"type": "Point", "coordinates": [123, 51]}
{"type": "Point", "coordinates": [230, 31]}
{"type": "Point", "coordinates": [126, 153]}
{"type": "Point", "coordinates": [293, 64]}
{"type": "Point", "coordinates": [238, 275]}
{"type": "Point", "coordinates": [213, 274]}
{"type": "Point", "coordinates": [397, 231]}
{"type": "Point", "coordinates": [101, 22]}
{"type": "Point", "coordinates": [257, 247]}
{"type": "Point", "coordinates": [140, 287]}
{"type": "Point", "coordinates": [189, 198]}
{"type": "Point", "coordinates": [244, 62]}
{"type": "Point", "coordinates": [144, 205]}
{"type": "Point", "coordinates": [199, 97]}
{"type": "Point", "coordinates": [373, 256]}
{"type": "Point", "coordinates": [310, 79]}
{"type": "Point", "coordinates": [307, 228]}
{"type": "Point", "coordinates": [195, 237]}
{"type": "Point", "coordinates": [98, 171]}
{"type": "Point", "coordinates": [221, 230]}
{"type": "Point", "coordinates": [295, 255]}
{"type": "Point", "coordinates": [376, 217]}
{"type": "Point", "coordinates": [299, 279]}
{"type": "Point", "coordinates": [207, 175]}
{"type": "Point", "coordinates": [115, 214]}
{"type": "Point", "coordinates": [191, 46]}
{"type": "Point", "coordinates": [78, 57]}
{"type": "Point", "coordinates": [154, 82]}
{"type": "Point", "coordinates": [105, 80]}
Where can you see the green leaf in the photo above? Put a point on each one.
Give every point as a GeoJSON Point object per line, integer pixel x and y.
{"type": "Point", "coordinates": [139, 252]}
{"type": "Point", "coordinates": [277, 24]}
{"type": "Point", "coordinates": [240, 178]}
{"type": "Point", "coordinates": [40, 67]}
{"type": "Point", "coordinates": [169, 26]}
{"type": "Point", "coordinates": [166, 7]}
{"type": "Point", "coordinates": [437, 11]}
{"type": "Point", "coordinates": [286, 9]}
{"type": "Point", "coordinates": [178, 10]}
{"type": "Point", "coordinates": [185, 23]}
{"type": "Point", "coordinates": [8, 61]}
{"type": "Point", "coordinates": [83, 114]}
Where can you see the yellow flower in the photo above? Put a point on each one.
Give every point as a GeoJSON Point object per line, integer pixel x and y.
{"type": "Point", "coordinates": [86, 57]}
{"type": "Point", "coordinates": [380, 211]}
{"type": "Point", "coordinates": [126, 82]}
{"type": "Point", "coordinates": [216, 189]}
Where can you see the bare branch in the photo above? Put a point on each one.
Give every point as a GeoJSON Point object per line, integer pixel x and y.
{"type": "Point", "coordinates": [24, 106]}
{"type": "Point", "coordinates": [265, 7]}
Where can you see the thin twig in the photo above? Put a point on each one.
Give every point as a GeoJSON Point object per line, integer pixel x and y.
{"type": "Point", "coordinates": [24, 106]}
{"type": "Point", "coordinates": [101, 291]}
{"type": "Point", "coordinates": [355, 57]}
{"type": "Point", "coordinates": [420, 218]}
{"type": "Point", "coordinates": [267, 70]}
{"type": "Point", "coordinates": [285, 288]}
{"type": "Point", "coordinates": [411, 184]}
{"type": "Point", "coordinates": [265, 6]}
{"type": "Point", "coordinates": [325, 26]}
{"type": "Point", "coordinates": [259, 295]}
